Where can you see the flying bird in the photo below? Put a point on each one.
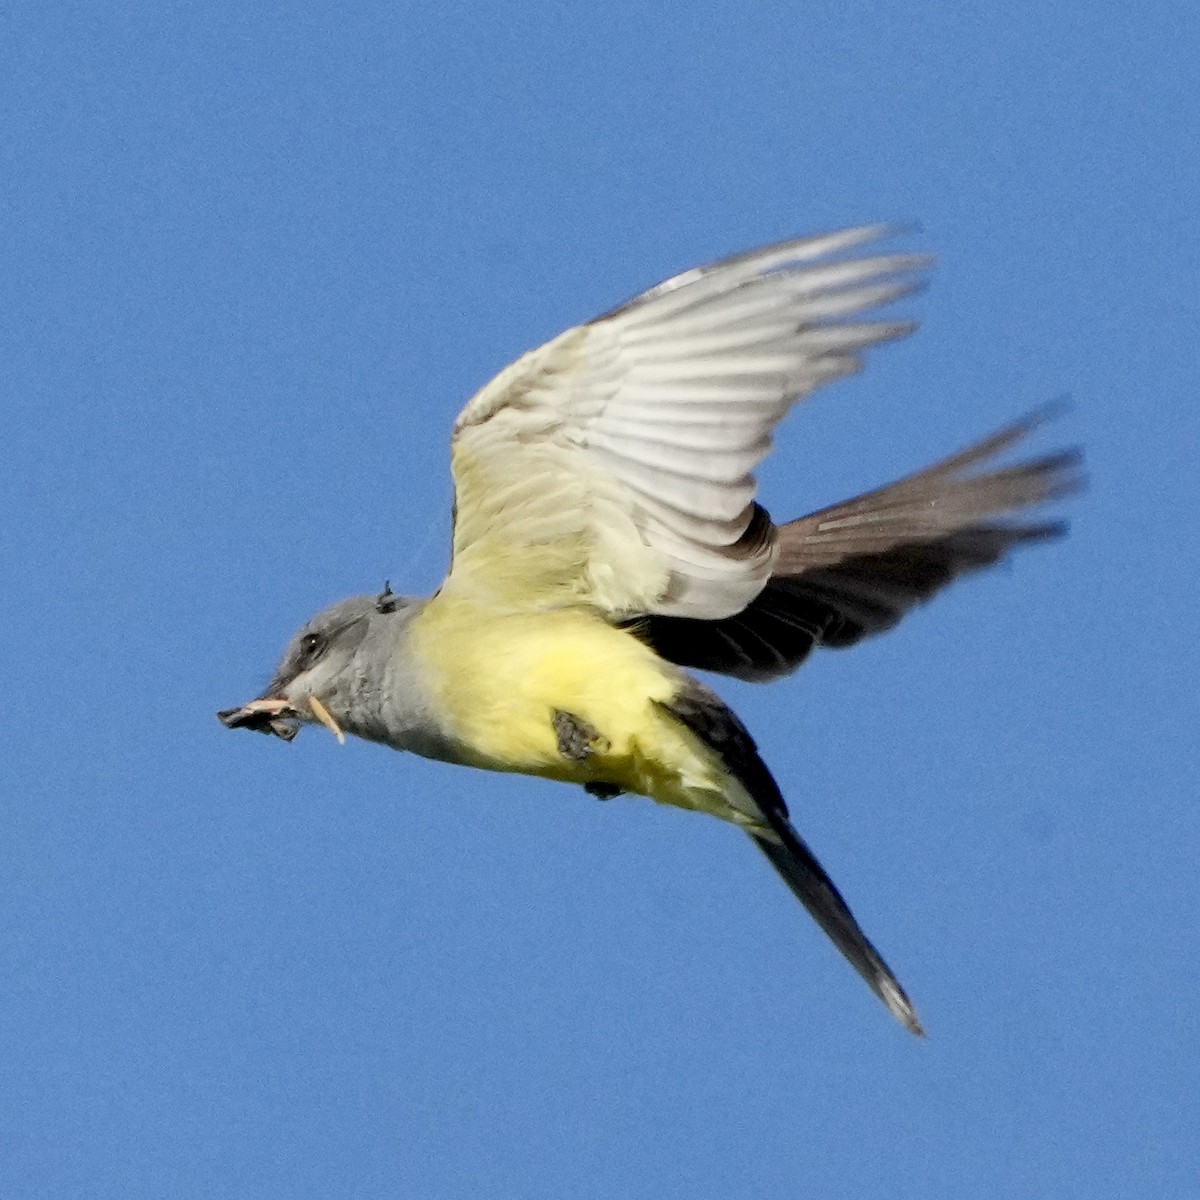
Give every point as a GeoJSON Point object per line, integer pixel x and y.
{"type": "Point", "coordinates": [607, 541]}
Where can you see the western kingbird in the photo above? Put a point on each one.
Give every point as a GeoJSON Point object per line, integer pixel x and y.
{"type": "Point", "coordinates": [606, 537]}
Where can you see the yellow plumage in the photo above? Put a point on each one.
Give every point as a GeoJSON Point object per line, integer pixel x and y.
{"type": "Point", "coordinates": [498, 679]}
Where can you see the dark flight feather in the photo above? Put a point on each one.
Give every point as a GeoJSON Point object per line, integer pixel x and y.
{"type": "Point", "coordinates": [854, 569]}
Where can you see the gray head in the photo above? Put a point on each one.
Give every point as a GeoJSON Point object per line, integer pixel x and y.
{"type": "Point", "coordinates": [335, 671]}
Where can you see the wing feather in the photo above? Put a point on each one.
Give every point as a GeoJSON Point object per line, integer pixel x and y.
{"type": "Point", "coordinates": [614, 466]}
{"type": "Point", "coordinates": [854, 570]}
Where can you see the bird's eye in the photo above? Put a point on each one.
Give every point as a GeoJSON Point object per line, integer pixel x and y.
{"type": "Point", "coordinates": [310, 643]}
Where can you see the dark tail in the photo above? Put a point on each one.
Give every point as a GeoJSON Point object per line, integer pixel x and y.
{"type": "Point", "coordinates": [719, 728]}
{"type": "Point", "coordinates": [809, 882]}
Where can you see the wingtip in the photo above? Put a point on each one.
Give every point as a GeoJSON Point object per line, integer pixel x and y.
{"type": "Point", "coordinates": [868, 231]}
{"type": "Point", "coordinates": [839, 241]}
{"type": "Point", "coordinates": [785, 255]}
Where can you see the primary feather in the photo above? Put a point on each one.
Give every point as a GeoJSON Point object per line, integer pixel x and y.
{"type": "Point", "coordinates": [613, 466]}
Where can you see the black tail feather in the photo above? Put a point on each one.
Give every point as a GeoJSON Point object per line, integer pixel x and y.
{"type": "Point", "coordinates": [800, 870]}
{"type": "Point", "coordinates": [718, 727]}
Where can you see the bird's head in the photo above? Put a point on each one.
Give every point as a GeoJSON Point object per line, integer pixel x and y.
{"type": "Point", "coordinates": [333, 671]}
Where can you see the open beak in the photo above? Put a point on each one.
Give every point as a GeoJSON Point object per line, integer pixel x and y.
{"type": "Point", "coordinates": [267, 714]}
{"type": "Point", "coordinates": [274, 715]}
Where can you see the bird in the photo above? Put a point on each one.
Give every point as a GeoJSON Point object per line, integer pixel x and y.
{"type": "Point", "coordinates": [607, 544]}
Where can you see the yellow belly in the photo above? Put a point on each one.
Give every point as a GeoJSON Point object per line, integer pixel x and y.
{"type": "Point", "coordinates": [498, 679]}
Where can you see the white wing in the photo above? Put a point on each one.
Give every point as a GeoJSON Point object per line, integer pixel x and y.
{"type": "Point", "coordinates": [613, 466]}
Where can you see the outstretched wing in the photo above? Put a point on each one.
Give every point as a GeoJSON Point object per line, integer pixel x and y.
{"type": "Point", "coordinates": [613, 466]}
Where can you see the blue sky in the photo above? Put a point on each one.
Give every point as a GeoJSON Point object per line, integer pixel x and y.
{"type": "Point", "coordinates": [253, 263]}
